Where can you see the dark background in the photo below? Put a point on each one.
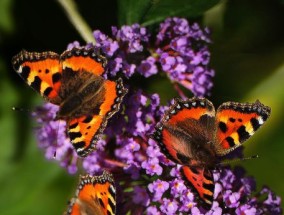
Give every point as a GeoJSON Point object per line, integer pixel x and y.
{"type": "Point", "coordinates": [247, 55]}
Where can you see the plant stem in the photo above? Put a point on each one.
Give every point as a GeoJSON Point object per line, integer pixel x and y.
{"type": "Point", "coordinates": [115, 163]}
{"type": "Point", "coordinates": [77, 20]}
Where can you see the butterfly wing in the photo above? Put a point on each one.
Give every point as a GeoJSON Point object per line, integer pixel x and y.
{"type": "Point", "coordinates": [83, 59]}
{"type": "Point", "coordinates": [236, 122]}
{"type": "Point", "coordinates": [185, 129]}
{"type": "Point", "coordinates": [41, 71]}
{"type": "Point", "coordinates": [201, 180]}
{"type": "Point", "coordinates": [95, 99]}
{"type": "Point", "coordinates": [185, 136]}
{"type": "Point", "coordinates": [95, 196]}
{"type": "Point", "coordinates": [85, 131]}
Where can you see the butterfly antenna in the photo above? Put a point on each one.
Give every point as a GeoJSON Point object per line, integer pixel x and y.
{"type": "Point", "coordinates": [239, 159]}
{"type": "Point", "coordinates": [20, 109]}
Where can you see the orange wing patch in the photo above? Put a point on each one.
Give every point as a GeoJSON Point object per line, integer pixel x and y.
{"type": "Point", "coordinates": [190, 109]}
{"type": "Point", "coordinates": [95, 195]}
{"type": "Point", "coordinates": [237, 122]}
{"type": "Point", "coordinates": [84, 133]}
{"type": "Point", "coordinates": [84, 60]}
{"type": "Point", "coordinates": [41, 71]}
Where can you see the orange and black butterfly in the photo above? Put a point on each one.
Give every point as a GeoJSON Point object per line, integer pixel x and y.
{"type": "Point", "coordinates": [192, 134]}
{"type": "Point", "coordinates": [95, 195]}
{"type": "Point", "coordinates": [74, 82]}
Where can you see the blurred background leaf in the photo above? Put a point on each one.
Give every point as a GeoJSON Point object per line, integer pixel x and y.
{"type": "Point", "coordinates": [247, 55]}
{"type": "Point", "coordinates": [6, 18]}
{"type": "Point", "coordinates": [148, 12]}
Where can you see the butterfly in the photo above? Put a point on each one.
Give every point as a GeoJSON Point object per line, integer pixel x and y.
{"type": "Point", "coordinates": [192, 134]}
{"type": "Point", "coordinates": [74, 82]}
{"type": "Point", "coordinates": [95, 195]}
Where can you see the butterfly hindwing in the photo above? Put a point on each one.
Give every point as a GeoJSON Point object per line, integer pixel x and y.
{"type": "Point", "coordinates": [41, 71]}
{"type": "Point", "coordinates": [96, 195]}
{"type": "Point", "coordinates": [85, 131]}
{"type": "Point", "coordinates": [201, 180]}
{"type": "Point", "coordinates": [236, 122]}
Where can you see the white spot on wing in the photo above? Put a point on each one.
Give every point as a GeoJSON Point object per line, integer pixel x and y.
{"type": "Point", "coordinates": [260, 120]}
{"type": "Point", "coordinates": [20, 69]}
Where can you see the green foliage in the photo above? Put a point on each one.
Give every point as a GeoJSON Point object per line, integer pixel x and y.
{"type": "Point", "coordinates": [147, 12]}
{"type": "Point", "coordinates": [6, 18]}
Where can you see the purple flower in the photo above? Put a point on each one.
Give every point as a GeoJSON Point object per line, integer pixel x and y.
{"type": "Point", "coordinates": [215, 210]}
{"type": "Point", "coordinates": [169, 206]}
{"type": "Point", "coordinates": [177, 187]}
{"type": "Point", "coordinates": [246, 209]}
{"type": "Point", "coordinates": [184, 55]}
{"type": "Point", "coordinates": [231, 199]}
{"type": "Point", "coordinates": [152, 210]}
{"type": "Point", "coordinates": [158, 188]}
{"type": "Point", "coordinates": [148, 67]}
{"type": "Point", "coordinates": [271, 204]}
{"type": "Point", "coordinates": [249, 184]}
{"type": "Point", "coordinates": [152, 166]}
{"type": "Point", "coordinates": [52, 138]}
{"type": "Point", "coordinates": [108, 46]}
{"type": "Point", "coordinates": [195, 211]}
{"type": "Point", "coordinates": [132, 36]}
{"type": "Point", "coordinates": [72, 45]}
{"type": "Point", "coordinates": [153, 151]}
{"type": "Point", "coordinates": [140, 196]}
{"type": "Point", "coordinates": [201, 78]}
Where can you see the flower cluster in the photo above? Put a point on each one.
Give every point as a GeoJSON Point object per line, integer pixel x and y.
{"type": "Point", "coordinates": [184, 54]}
{"type": "Point", "coordinates": [51, 136]}
{"type": "Point", "coordinates": [180, 50]}
{"type": "Point", "coordinates": [149, 182]}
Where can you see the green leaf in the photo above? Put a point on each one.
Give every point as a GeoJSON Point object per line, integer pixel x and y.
{"type": "Point", "coordinates": [131, 11]}
{"type": "Point", "coordinates": [148, 12]}
{"type": "Point", "coordinates": [6, 18]}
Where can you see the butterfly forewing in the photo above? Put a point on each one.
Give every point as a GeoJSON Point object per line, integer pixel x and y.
{"type": "Point", "coordinates": [84, 60]}
{"type": "Point", "coordinates": [41, 71]}
{"type": "Point", "coordinates": [236, 122]}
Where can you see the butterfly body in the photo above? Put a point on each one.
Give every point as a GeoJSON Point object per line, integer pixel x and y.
{"type": "Point", "coordinates": [81, 92]}
{"type": "Point", "coordinates": [199, 149]}
{"type": "Point", "coordinates": [192, 134]}
{"type": "Point", "coordinates": [74, 82]}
